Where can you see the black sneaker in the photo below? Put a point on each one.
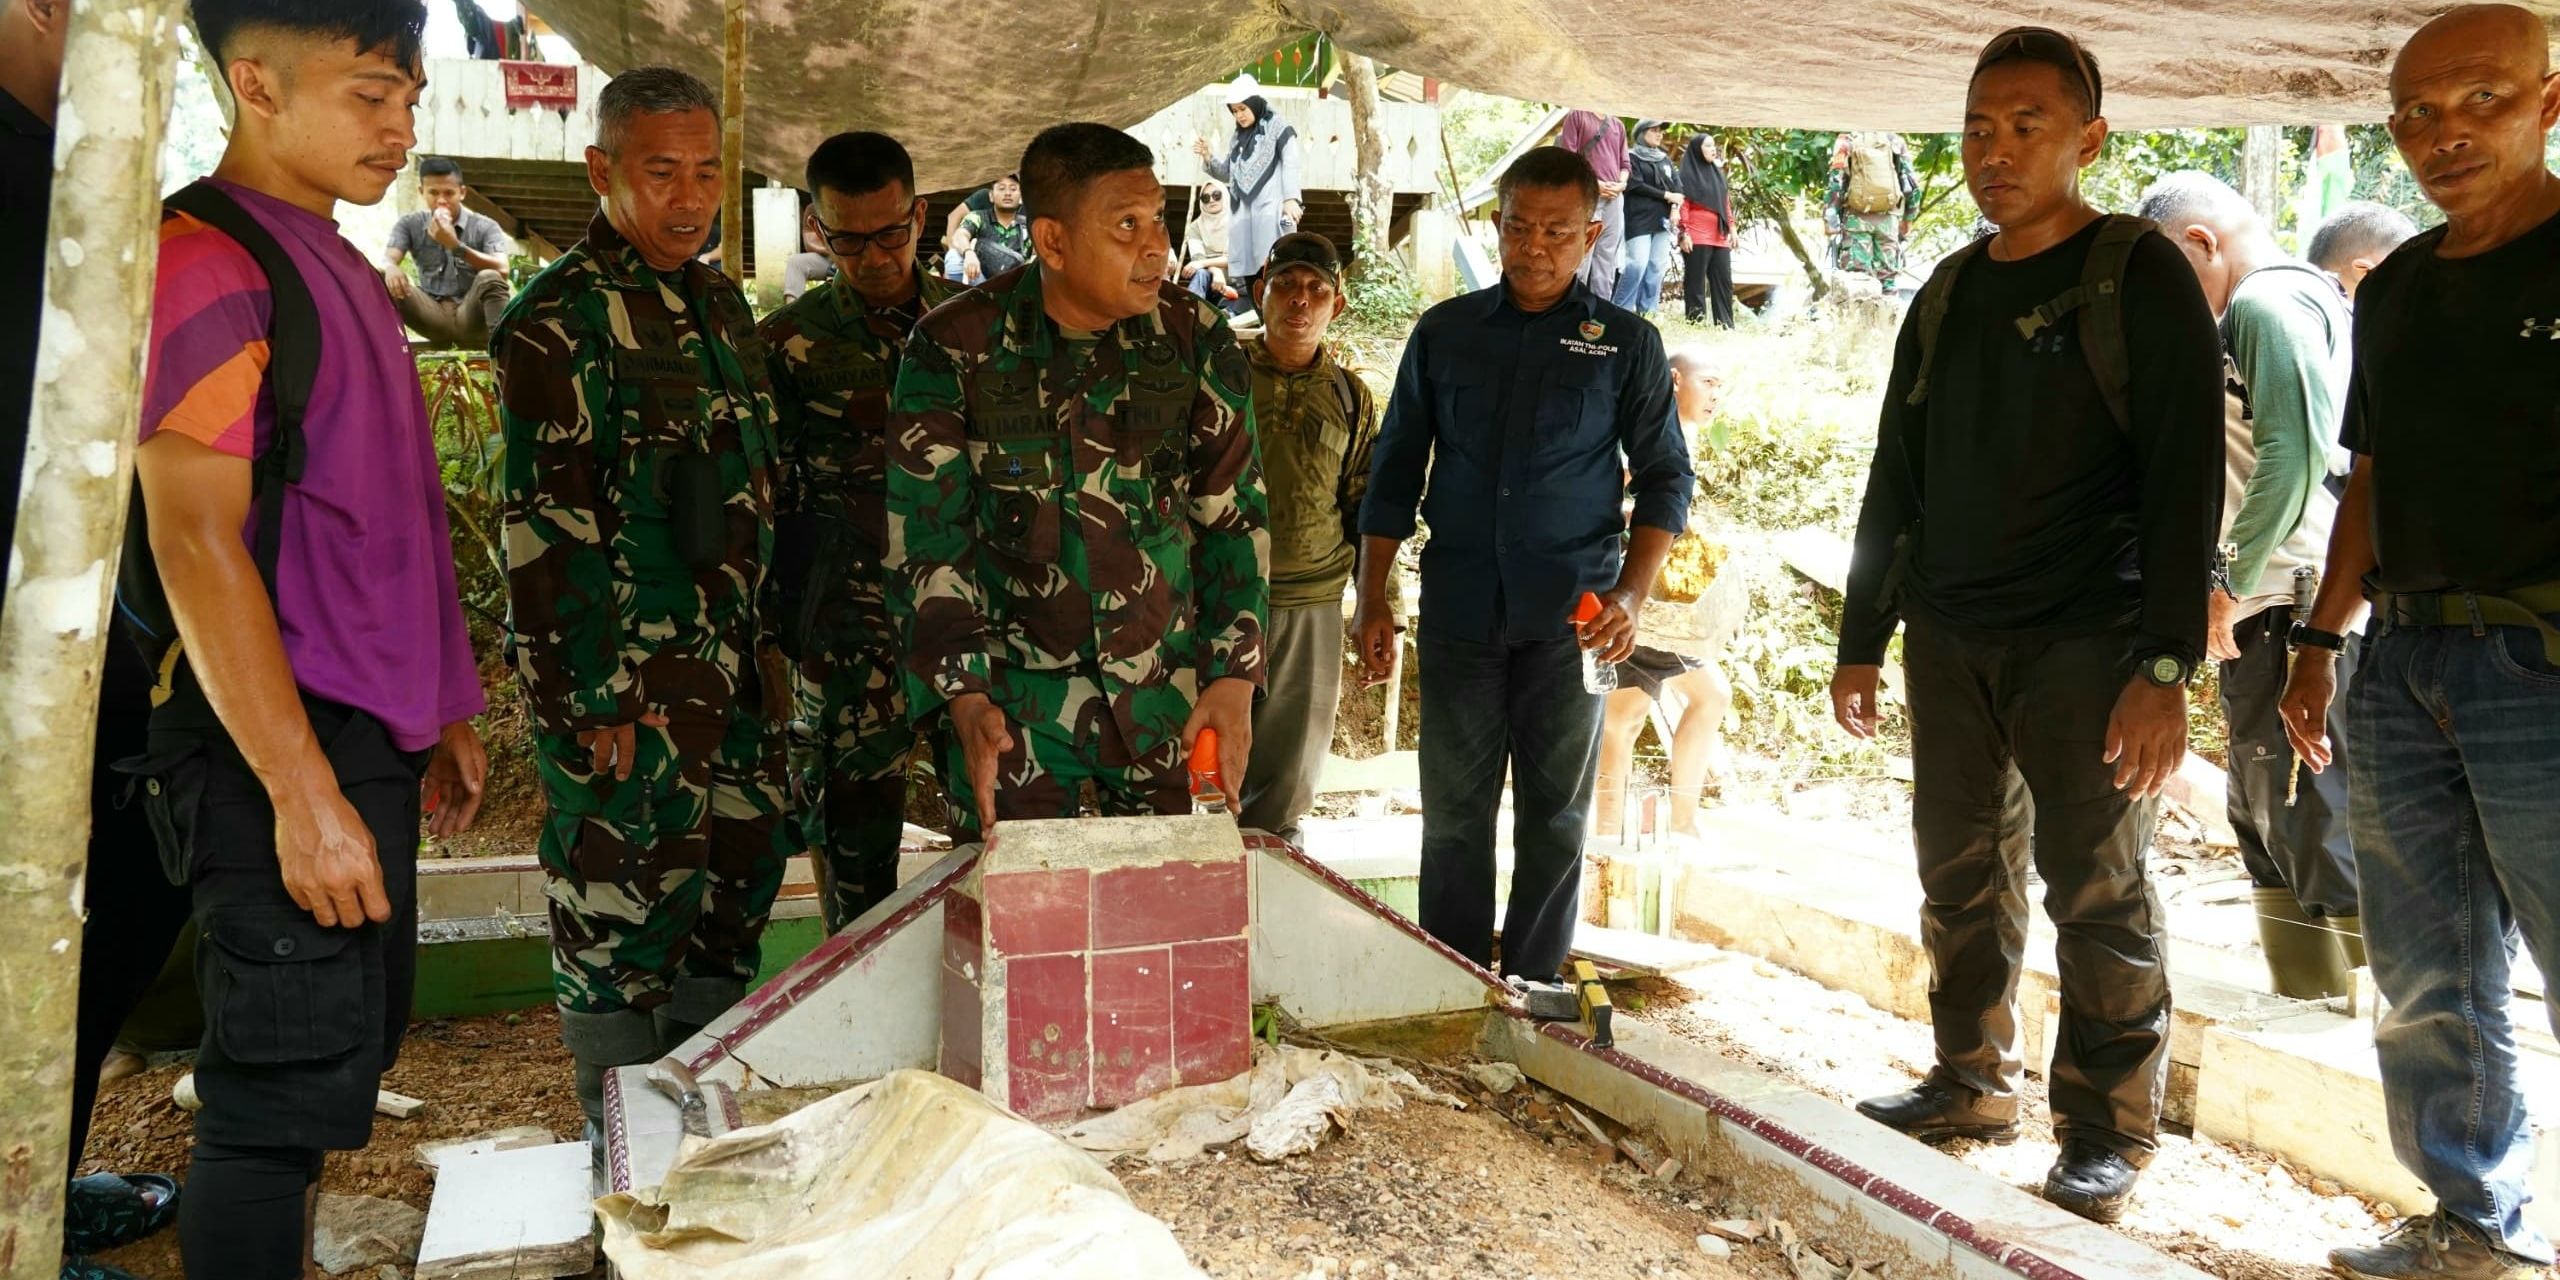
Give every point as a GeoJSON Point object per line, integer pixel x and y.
{"type": "Point", "coordinates": [2091, 1180]}
{"type": "Point", "coordinates": [1934, 1112]}
{"type": "Point", "coordinates": [2431, 1247]}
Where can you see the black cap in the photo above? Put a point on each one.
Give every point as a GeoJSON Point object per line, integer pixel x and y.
{"type": "Point", "coordinates": [1304, 249]}
{"type": "Point", "coordinates": [2052, 48]}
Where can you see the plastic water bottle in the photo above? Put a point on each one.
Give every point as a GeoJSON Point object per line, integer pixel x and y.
{"type": "Point", "coordinates": [1599, 675]}
{"type": "Point", "coordinates": [1208, 785]}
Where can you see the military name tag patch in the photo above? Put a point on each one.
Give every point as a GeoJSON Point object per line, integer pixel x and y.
{"type": "Point", "coordinates": [668, 366]}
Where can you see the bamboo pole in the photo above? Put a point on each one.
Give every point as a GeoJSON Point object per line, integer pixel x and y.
{"type": "Point", "coordinates": [733, 140]}
{"type": "Point", "coordinates": [101, 248]}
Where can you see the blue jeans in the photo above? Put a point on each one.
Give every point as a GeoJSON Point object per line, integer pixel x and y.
{"type": "Point", "coordinates": [1488, 705]}
{"type": "Point", "coordinates": [1640, 272]}
{"type": "Point", "coordinates": [2455, 819]}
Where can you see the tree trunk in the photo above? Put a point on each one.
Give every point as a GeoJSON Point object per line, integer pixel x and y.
{"type": "Point", "coordinates": [1373, 204]}
{"type": "Point", "coordinates": [102, 246]}
{"type": "Point", "coordinates": [733, 141]}
{"type": "Point", "coordinates": [2261, 170]}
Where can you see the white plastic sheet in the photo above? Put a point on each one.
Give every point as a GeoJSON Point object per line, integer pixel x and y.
{"type": "Point", "coordinates": [910, 1177]}
{"type": "Point", "coordinates": [1286, 1105]}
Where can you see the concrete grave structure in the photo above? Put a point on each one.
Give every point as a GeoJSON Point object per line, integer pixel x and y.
{"type": "Point", "coordinates": [895, 989]}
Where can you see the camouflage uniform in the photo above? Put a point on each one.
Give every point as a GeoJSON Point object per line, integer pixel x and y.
{"type": "Point", "coordinates": [1076, 530]}
{"type": "Point", "coordinates": [834, 360]}
{"type": "Point", "coordinates": [632, 398]}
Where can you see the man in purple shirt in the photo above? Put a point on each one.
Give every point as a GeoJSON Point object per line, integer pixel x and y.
{"type": "Point", "coordinates": [306, 716]}
{"type": "Point", "coordinates": [1602, 140]}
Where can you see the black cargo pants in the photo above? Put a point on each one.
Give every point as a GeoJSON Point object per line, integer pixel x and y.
{"type": "Point", "coordinates": [1980, 709]}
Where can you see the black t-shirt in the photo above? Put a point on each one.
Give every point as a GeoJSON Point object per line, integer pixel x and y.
{"type": "Point", "coordinates": [26, 202]}
{"type": "Point", "coordinates": [2456, 397]}
{"type": "Point", "coordinates": [2044, 517]}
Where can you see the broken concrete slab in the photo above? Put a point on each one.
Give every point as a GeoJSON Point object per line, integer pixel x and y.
{"type": "Point", "coordinates": [432, 1155]}
{"type": "Point", "coordinates": [352, 1235]}
{"type": "Point", "coordinates": [514, 1214]}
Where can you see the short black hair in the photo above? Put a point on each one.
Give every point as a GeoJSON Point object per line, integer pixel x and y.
{"type": "Point", "coordinates": [2065, 54]}
{"type": "Point", "coordinates": [2360, 230]}
{"type": "Point", "coordinates": [857, 164]}
{"type": "Point", "coordinates": [1550, 167]}
{"type": "Point", "coordinates": [437, 167]}
{"type": "Point", "coordinates": [1065, 160]}
{"type": "Point", "coordinates": [392, 28]}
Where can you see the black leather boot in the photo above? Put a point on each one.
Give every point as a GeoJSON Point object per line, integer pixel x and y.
{"type": "Point", "coordinates": [2091, 1180]}
{"type": "Point", "coordinates": [1935, 1112]}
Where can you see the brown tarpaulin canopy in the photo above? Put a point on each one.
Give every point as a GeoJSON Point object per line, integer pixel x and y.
{"type": "Point", "coordinates": [966, 85]}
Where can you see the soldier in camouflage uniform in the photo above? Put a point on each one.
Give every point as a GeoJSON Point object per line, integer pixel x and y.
{"type": "Point", "coordinates": [834, 356]}
{"type": "Point", "coordinates": [1078, 562]}
{"type": "Point", "coordinates": [639, 513]}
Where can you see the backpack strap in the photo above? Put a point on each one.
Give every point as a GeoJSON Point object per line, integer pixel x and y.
{"type": "Point", "coordinates": [2099, 298]}
{"type": "Point", "coordinates": [1354, 395]}
{"type": "Point", "coordinates": [293, 360]}
{"type": "Point", "coordinates": [293, 366]}
{"type": "Point", "coordinates": [1929, 312]}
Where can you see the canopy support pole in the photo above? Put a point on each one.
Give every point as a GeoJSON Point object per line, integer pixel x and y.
{"type": "Point", "coordinates": [101, 249]}
{"type": "Point", "coordinates": [733, 139]}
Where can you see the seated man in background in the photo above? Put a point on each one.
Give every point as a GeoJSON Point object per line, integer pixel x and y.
{"type": "Point", "coordinates": [1677, 645]}
{"type": "Point", "coordinates": [2355, 240]}
{"type": "Point", "coordinates": [462, 263]}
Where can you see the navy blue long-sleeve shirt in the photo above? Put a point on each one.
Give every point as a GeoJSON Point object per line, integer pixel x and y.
{"type": "Point", "coordinates": [1532, 431]}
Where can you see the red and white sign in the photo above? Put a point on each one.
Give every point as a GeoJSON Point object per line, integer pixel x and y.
{"type": "Point", "coordinates": [541, 84]}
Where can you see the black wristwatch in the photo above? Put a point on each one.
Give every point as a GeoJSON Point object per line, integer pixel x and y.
{"type": "Point", "coordinates": [2304, 633]}
{"type": "Point", "coordinates": [2167, 670]}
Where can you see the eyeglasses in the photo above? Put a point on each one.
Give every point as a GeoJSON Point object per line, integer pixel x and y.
{"type": "Point", "coordinates": [2043, 44]}
{"type": "Point", "coordinates": [1212, 197]}
{"type": "Point", "coordinates": [851, 244]}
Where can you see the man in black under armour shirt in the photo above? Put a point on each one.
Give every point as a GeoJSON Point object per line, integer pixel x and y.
{"type": "Point", "coordinates": [2052, 537]}
{"type": "Point", "coordinates": [2452, 523]}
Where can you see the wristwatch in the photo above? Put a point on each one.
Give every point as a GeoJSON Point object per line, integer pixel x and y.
{"type": "Point", "coordinates": [2167, 670]}
{"type": "Point", "coordinates": [2304, 633]}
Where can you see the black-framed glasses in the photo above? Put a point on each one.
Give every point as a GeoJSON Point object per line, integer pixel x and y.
{"type": "Point", "coordinates": [2043, 44]}
{"type": "Point", "coordinates": [850, 244]}
{"type": "Point", "coordinates": [1213, 197]}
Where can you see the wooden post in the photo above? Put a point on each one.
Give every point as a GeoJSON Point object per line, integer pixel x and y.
{"type": "Point", "coordinates": [733, 141]}
{"type": "Point", "coordinates": [1372, 199]}
{"type": "Point", "coordinates": [101, 248]}
{"type": "Point", "coordinates": [2261, 170]}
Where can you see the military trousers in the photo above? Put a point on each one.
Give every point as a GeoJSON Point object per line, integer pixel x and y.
{"type": "Point", "coordinates": [660, 883]}
{"type": "Point", "coordinates": [1069, 758]}
{"type": "Point", "coordinates": [850, 752]}
{"type": "Point", "coordinates": [1981, 709]}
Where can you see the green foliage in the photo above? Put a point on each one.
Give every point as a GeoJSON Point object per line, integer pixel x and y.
{"type": "Point", "coordinates": [1479, 127]}
{"type": "Point", "coordinates": [462, 409]}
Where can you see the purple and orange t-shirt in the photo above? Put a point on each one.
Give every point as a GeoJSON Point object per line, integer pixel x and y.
{"type": "Point", "coordinates": [365, 590]}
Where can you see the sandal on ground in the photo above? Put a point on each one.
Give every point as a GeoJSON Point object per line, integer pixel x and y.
{"type": "Point", "coordinates": [106, 1211]}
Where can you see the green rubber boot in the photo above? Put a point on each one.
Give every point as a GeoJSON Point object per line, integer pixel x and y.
{"type": "Point", "coordinates": [2350, 934]}
{"type": "Point", "coordinates": [2304, 959]}
{"type": "Point", "coordinates": [599, 1042]}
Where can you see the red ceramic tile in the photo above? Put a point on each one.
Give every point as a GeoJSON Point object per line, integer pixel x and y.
{"type": "Point", "coordinates": [1036, 912]}
{"type": "Point", "coordinates": [1170, 902]}
{"type": "Point", "coordinates": [962, 1011]}
{"type": "Point", "coordinates": [1212, 1011]}
{"type": "Point", "coordinates": [1045, 1051]}
{"type": "Point", "coordinates": [1132, 1025]}
{"type": "Point", "coordinates": [963, 944]}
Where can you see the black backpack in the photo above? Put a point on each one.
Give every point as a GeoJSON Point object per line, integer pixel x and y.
{"type": "Point", "coordinates": [293, 366]}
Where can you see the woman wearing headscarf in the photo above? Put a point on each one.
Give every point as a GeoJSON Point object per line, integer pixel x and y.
{"type": "Point", "coordinates": [1261, 173]}
{"type": "Point", "coordinates": [1706, 232]}
{"type": "Point", "coordinates": [1204, 247]}
{"type": "Point", "coordinates": [1653, 194]}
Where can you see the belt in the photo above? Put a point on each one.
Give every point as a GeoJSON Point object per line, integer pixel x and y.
{"type": "Point", "coordinates": [2517, 607]}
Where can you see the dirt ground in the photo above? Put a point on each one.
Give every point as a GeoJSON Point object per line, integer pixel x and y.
{"type": "Point", "coordinates": [2231, 1212]}
{"type": "Point", "coordinates": [475, 1074]}
{"type": "Point", "coordinates": [1427, 1193]}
